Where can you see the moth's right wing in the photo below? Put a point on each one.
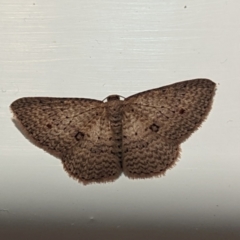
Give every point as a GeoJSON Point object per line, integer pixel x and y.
{"type": "Point", "coordinates": [156, 121]}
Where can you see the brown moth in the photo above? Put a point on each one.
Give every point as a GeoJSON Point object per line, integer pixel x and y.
{"type": "Point", "coordinates": [97, 141]}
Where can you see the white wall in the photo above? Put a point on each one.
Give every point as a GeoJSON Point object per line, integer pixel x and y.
{"type": "Point", "coordinates": [90, 48]}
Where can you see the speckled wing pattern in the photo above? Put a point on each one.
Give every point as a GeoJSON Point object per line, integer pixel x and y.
{"type": "Point", "coordinates": [75, 130]}
{"type": "Point", "coordinates": [97, 140]}
{"type": "Point", "coordinates": [157, 121]}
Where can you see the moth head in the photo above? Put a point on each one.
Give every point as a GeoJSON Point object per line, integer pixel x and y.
{"type": "Point", "coordinates": [113, 98]}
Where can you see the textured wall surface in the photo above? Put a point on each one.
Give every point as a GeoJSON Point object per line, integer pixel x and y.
{"type": "Point", "coordinates": [92, 49]}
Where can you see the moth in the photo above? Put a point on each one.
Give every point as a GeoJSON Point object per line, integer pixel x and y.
{"type": "Point", "coordinates": [97, 141]}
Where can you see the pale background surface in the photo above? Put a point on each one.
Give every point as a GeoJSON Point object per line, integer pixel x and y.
{"type": "Point", "coordinates": [90, 48]}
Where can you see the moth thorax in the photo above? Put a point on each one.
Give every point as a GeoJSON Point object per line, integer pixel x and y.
{"type": "Point", "coordinates": [114, 114]}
